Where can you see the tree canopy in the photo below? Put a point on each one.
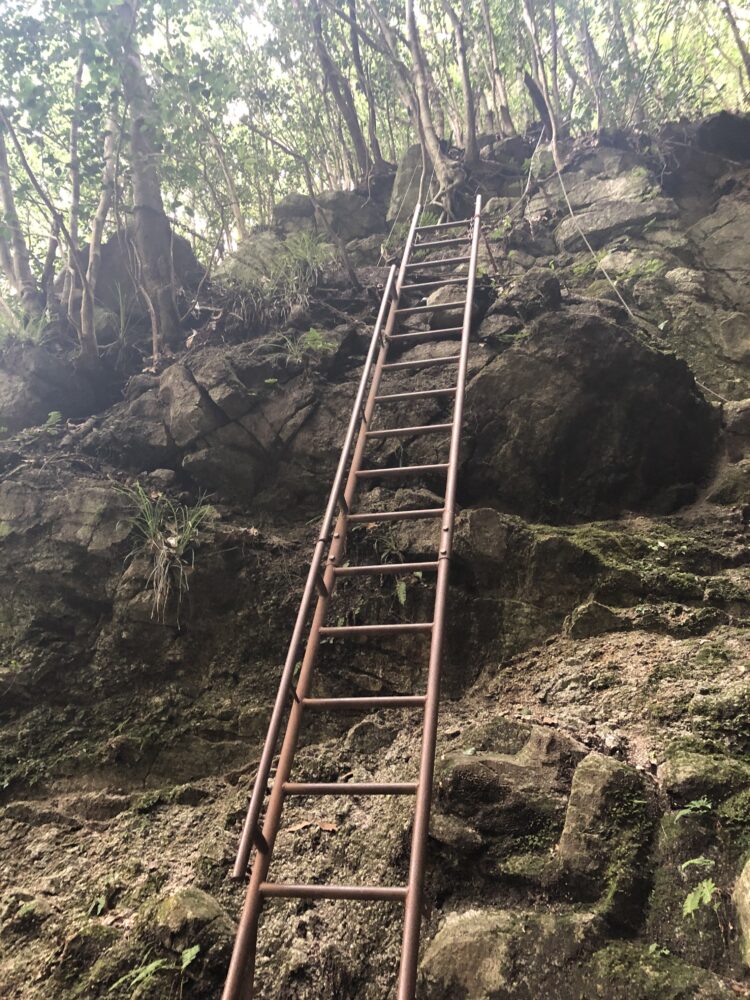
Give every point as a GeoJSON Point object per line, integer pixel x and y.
{"type": "Point", "coordinates": [155, 118]}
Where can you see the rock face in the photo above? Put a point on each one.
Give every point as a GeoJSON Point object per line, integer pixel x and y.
{"type": "Point", "coordinates": [581, 419]}
{"type": "Point", "coordinates": [35, 382]}
{"type": "Point", "coordinates": [350, 214]}
{"type": "Point", "coordinates": [591, 817]}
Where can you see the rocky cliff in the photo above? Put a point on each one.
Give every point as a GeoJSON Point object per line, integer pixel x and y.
{"type": "Point", "coordinates": [592, 816]}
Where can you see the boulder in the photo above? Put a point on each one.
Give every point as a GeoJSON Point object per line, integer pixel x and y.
{"type": "Point", "coordinates": [115, 288]}
{"type": "Point", "coordinates": [35, 382]}
{"type": "Point", "coordinates": [628, 970]}
{"type": "Point", "coordinates": [189, 411]}
{"type": "Point", "coordinates": [721, 239]}
{"type": "Point", "coordinates": [500, 954]}
{"type": "Point", "coordinates": [294, 212]}
{"type": "Point", "coordinates": [352, 215]}
{"type": "Point", "coordinates": [737, 434]}
{"type": "Point", "coordinates": [741, 900]}
{"type": "Point", "coordinates": [187, 917]}
{"type": "Point", "coordinates": [686, 776]}
{"type": "Point", "coordinates": [592, 619]}
{"type": "Point", "coordinates": [608, 823]}
{"type": "Point", "coordinates": [534, 292]}
{"type": "Point", "coordinates": [725, 134]}
{"type": "Point", "coordinates": [254, 258]}
{"type": "Point", "coordinates": [517, 783]}
{"type": "Point", "coordinates": [406, 185]}
{"type": "Point", "coordinates": [603, 221]}
{"type": "Point", "coordinates": [581, 419]}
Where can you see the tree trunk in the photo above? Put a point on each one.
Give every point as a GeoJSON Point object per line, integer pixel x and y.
{"type": "Point", "coordinates": [739, 40]}
{"type": "Point", "coordinates": [20, 273]}
{"type": "Point", "coordinates": [342, 92]}
{"type": "Point", "coordinates": [153, 235]}
{"type": "Point", "coordinates": [539, 88]}
{"type": "Point", "coordinates": [496, 78]}
{"type": "Point", "coordinates": [69, 287]}
{"type": "Point", "coordinates": [234, 198]}
{"type": "Point", "coordinates": [471, 155]}
{"type": "Point", "coordinates": [379, 164]}
{"type": "Point", "coordinates": [87, 331]}
{"type": "Point", "coordinates": [450, 174]}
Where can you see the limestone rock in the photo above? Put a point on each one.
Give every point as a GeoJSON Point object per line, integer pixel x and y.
{"type": "Point", "coordinates": [737, 422]}
{"type": "Point", "coordinates": [741, 900]}
{"type": "Point", "coordinates": [594, 618]}
{"type": "Point", "coordinates": [352, 215]}
{"type": "Point", "coordinates": [187, 917]}
{"type": "Point", "coordinates": [687, 776]}
{"type": "Point", "coordinates": [34, 382]}
{"type": "Point", "coordinates": [501, 954]}
{"type": "Point", "coordinates": [544, 443]}
{"type": "Point", "coordinates": [406, 185]}
{"type": "Point", "coordinates": [294, 212]}
{"type": "Point", "coordinates": [602, 221]}
{"type": "Point", "coordinates": [608, 824]}
{"type": "Point", "coordinates": [447, 317]}
{"type": "Point", "coordinates": [189, 412]}
{"type": "Point", "coordinates": [625, 970]}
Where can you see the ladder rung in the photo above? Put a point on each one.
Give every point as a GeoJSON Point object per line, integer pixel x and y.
{"type": "Point", "coordinates": [350, 788]}
{"type": "Point", "coordinates": [426, 334]}
{"type": "Point", "coordinates": [423, 362]}
{"type": "Point", "coordinates": [443, 262]}
{"type": "Point", "coordinates": [397, 515]}
{"type": "Point", "coordinates": [389, 569]}
{"type": "Point", "coordinates": [384, 701]}
{"type": "Point", "coordinates": [364, 892]}
{"type": "Point", "coordinates": [337, 630]}
{"type": "Point", "coordinates": [441, 243]}
{"type": "Point", "coordinates": [401, 470]}
{"type": "Point", "coordinates": [394, 397]}
{"type": "Point", "coordinates": [460, 280]}
{"type": "Point", "coordinates": [444, 225]}
{"type": "Point", "coordinates": [409, 431]}
{"type": "Point", "coordinates": [438, 307]}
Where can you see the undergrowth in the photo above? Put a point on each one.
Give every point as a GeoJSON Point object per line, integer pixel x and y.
{"type": "Point", "coordinates": [167, 533]}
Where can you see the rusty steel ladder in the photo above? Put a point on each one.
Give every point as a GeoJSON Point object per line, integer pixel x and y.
{"type": "Point", "coordinates": [326, 568]}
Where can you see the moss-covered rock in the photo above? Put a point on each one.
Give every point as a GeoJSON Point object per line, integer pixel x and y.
{"type": "Point", "coordinates": [501, 954]}
{"type": "Point", "coordinates": [741, 900]}
{"type": "Point", "coordinates": [604, 843]}
{"type": "Point", "coordinates": [626, 971]}
{"type": "Point", "coordinates": [686, 776]}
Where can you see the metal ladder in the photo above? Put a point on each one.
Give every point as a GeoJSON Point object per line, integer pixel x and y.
{"type": "Point", "coordinates": [326, 568]}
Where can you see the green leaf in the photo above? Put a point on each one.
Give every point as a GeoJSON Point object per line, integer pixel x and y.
{"type": "Point", "coordinates": [695, 807]}
{"type": "Point", "coordinates": [700, 862]}
{"type": "Point", "coordinates": [188, 956]}
{"type": "Point", "coordinates": [702, 895]}
{"type": "Point", "coordinates": [401, 592]}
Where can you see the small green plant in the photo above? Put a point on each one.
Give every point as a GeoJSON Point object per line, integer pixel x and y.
{"type": "Point", "coordinates": [702, 862]}
{"type": "Point", "coordinates": [314, 342]}
{"type": "Point", "coordinates": [54, 419]}
{"type": "Point", "coordinates": [141, 976]}
{"type": "Point", "coordinates": [167, 533]}
{"type": "Point", "coordinates": [704, 894]}
{"type": "Point", "coordinates": [696, 807]}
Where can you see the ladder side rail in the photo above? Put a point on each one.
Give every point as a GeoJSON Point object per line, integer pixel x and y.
{"type": "Point", "coordinates": [249, 832]}
{"type": "Point", "coordinates": [240, 977]}
{"type": "Point", "coordinates": [413, 909]}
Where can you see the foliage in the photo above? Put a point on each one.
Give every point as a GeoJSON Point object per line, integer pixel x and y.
{"type": "Point", "coordinates": [167, 533]}
{"type": "Point", "coordinates": [241, 108]}
{"type": "Point", "coordinates": [702, 895]}
{"type": "Point", "coordinates": [695, 807]}
{"type": "Point", "coordinates": [314, 343]}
